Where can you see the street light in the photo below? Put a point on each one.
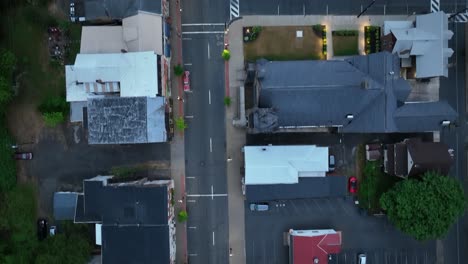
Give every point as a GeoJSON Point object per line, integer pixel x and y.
{"type": "Point", "coordinates": [365, 9]}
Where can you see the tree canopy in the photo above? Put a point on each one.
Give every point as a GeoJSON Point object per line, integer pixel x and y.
{"type": "Point", "coordinates": [425, 208]}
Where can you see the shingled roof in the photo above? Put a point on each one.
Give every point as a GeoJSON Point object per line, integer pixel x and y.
{"type": "Point", "coordinates": [324, 93]}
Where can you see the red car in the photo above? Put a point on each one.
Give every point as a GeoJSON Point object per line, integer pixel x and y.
{"type": "Point", "coordinates": [352, 184]}
{"type": "Point", "coordinates": [186, 79]}
{"type": "Point", "coordinates": [23, 156]}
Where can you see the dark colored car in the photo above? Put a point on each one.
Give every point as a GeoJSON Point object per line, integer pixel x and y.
{"type": "Point", "coordinates": [23, 156]}
{"type": "Point", "coordinates": [42, 228]}
{"type": "Point", "coordinates": [352, 184]}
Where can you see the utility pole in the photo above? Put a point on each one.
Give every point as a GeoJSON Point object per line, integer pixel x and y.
{"type": "Point", "coordinates": [365, 9]}
{"type": "Point", "coordinates": [457, 13]}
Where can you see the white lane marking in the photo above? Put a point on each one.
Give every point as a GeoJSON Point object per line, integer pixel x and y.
{"type": "Point", "coordinates": [188, 64]}
{"type": "Point", "coordinates": [278, 10]}
{"type": "Point", "coordinates": [186, 38]}
{"type": "Point", "coordinates": [202, 24]}
{"type": "Point", "coordinates": [191, 201]}
{"type": "Point", "coordinates": [208, 195]}
{"type": "Point", "coordinates": [213, 239]}
{"type": "Point", "coordinates": [192, 227]}
{"type": "Point", "coordinates": [211, 145]}
{"type": "Point", "coordinates": [208, 50]}
{"type": "Point", "coordinates": [303, 8]}
{"type": "Point", "coordinates": [212, 192]}
{"type": "Point", "coordinates": [327, 10]}
{"type": "Point", "coordinates": [190, 177]}
{"type": "Point", "coordinates": [209, 96]}
{"type": "Point", "coordinates": [203, 32]}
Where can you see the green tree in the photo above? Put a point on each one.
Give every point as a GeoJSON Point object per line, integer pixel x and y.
{"type": "Point", "coordinates": [178, 70]}
{"type": "Point", "coordinates": [7, 163]}
{"type": "Point", "coordinates": [7, 63]}
{"type": "Point", "coordinates": [180, 123]}
{"type": "Point", "coordinates": [53, 119]}
{"type": "Point", "coordinates": [425, 208]}
{"type": "Point", "coordinates": [182, 216]}
{"type": "Point", "coordinates": [226, 54]}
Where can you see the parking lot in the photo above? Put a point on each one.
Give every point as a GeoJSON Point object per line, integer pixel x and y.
{"type": "Point", "coordinates": [62, 161]}
{"type": "Point", "coordinates": [361, 233]}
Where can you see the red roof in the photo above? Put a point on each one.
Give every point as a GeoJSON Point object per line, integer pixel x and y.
{"type": "Point", "coordinates": [309, 246]}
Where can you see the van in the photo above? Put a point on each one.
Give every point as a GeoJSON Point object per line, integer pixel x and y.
{"type": "Point", "coordinates": [259, 207]}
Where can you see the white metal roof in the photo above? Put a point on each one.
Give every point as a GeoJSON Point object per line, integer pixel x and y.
{"type": "Point", "coordinates": [135, 73]}
{"type": "Point", "coordinates": [284, 164]}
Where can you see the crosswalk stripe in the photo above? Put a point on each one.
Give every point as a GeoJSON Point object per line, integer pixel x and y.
{"type": "Point", "coordinates": [234, 8]}
{"type": "Point", "coordinates": [435, 6]}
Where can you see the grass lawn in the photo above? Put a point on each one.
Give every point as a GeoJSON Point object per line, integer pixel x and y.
{"type": "Point", "coordinates": [372, 184]}
{"type": "Point", "coordinates": [280, 43]}
{"type": "Point", "coordinates": [345, 45]}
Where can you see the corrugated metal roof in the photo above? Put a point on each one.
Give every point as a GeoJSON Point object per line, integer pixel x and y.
{"type": "Point", "coordinates": [136, 73]}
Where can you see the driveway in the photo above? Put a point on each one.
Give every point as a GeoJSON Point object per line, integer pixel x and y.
{"type": "Point", "coordinates": [62, 160]}
{"type": "Point", "coordinates": [372, 235]}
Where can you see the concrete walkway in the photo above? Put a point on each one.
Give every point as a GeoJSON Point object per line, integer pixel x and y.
{"type": "Point", "coordinates": [331, 22]}
{"type": "Point", "coordinates": [177, 143]}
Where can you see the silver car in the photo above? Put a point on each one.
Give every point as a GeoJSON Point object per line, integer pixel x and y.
{"type": "Point", "coordinates": [259, 207]}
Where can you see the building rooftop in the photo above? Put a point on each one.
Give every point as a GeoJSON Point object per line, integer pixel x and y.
{"type": "Point", "coordinates": [368, 89]}
{"type": "Point", "coordinates": [128, 74]}
{"type": "Point", "coordinates": [64, 205]}
{"type": "Point", "coordinates": [284, 164]}
{"type": "Point", "coordinates": [126, 120]}
{"type": "Point", "coordinates": [134, 218]}
{"type": "Point", "coordinates": [313, 246]}
{"type": "Point", "coordinates": [141, 32]}
{"type": "Point", "coordinates": [427, 40]}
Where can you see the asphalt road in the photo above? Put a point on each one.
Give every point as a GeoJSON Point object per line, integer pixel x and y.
{"type": "Point", "coordinates": [340, 7]}
{"type": "Point", "coordinates": [453, 89]}
{"type": "Point", "coordinates": [205, 142]}
{"type": "Point", "coordinates": [361, 233]}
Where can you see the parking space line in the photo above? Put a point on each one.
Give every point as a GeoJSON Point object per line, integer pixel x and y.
{"type": "Point", "coordinates": [186, 38]}
{"type": "Point", "coordinates": [320, 208]}
{"type": "Point", "coordinates": [192, 227]}
{"type": "Point", "coordinates": [187, 64]}
{"type": "Point", "coordinates": [190, 177]}
{"type": "Point", "coordinates": [191, 201]}
{"type": "Point", "coordinates": [192, 255]}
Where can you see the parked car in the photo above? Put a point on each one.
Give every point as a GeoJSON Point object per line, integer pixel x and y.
{"type": "Point", "coordinates": [259, 207]}
{"type": "Point", "coordinates": [362, 258]}
{"type": "Point", "coordinates": [23, 156]}
{"type": "Point", "coordinates": [331, 163]}
{"type": "Point", "coordinates": [352, 184]}
{"type": "Point", "coordinates": [186, 79]}
{"type": "Point", "coordinates": [42, 228]}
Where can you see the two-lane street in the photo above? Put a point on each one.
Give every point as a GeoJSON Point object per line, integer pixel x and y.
{"type": "Point", "coordinates": [206, 187]}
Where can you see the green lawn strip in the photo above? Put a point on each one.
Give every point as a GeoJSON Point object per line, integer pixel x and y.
{"type": "Point", "coordinates": [345, 45]}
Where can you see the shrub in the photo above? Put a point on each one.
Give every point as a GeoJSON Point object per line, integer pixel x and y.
{"type": "Point", "coordinates": [7, 164]}
{"type": "Point", "coordinates": [178, 70]}
{"type": "Point", "coordinates": [180, 123]}
{"type": "Point", "coordinates": [182, 216]}
{"type": "Point", "coordinates": [52, 119]}
{"type": "Point", "coordinates": [54, 104]}
{"type": "Point", "coordinates": [227, 101]}
{"type": "Point", "coordinates": [226, 54]}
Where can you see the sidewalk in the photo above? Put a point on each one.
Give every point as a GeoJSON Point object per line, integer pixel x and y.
{"type": "Point", "coordinates": [177, 143]}
{"type": "Point", "coordinates": [235, 139]}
